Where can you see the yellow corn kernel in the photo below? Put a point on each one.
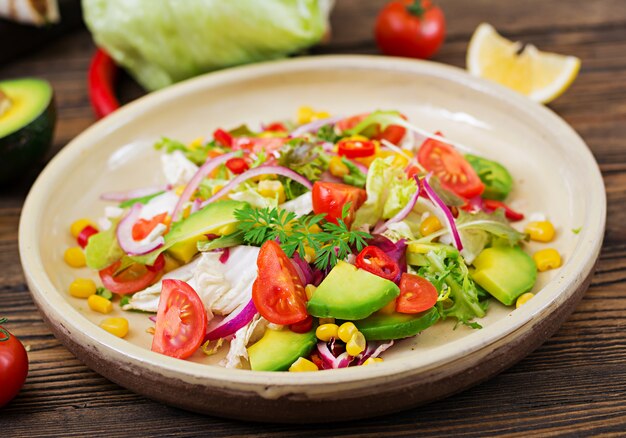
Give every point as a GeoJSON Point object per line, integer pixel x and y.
{"type": "Point", "coordinates": [372, 360]}
{"type": "Point", "coordinates": [399, 160]}
{"type": "Point", "coordinates": [82, 288]}
{"type": "Point", "coordinates": [327, 320]}
{"type": "Point", "coordinates": [356, 344]}
{"type": "Point", "coordinates": [195, 143]}
{"type": "Point", "coordinates": [337, 168]}
{"type": "Point", "coordinates": [170, 263]}
{"type": "Point", "coordinates": [523, 299]}
{"type": "Point", "coordinates": [186, 211]}
{"type": "Point", "coordinates": [272, 189]}
{"type": "Point", "coordinates": [325, 332]}
{"type": "Point", "coordinates": [389, 308]}
{"type": "Point", "coordinates": [346, 331]}
{"type": "Point", "coordinates": [116, 326]}
{"type": "Point", "coordinates": [75, 257]}
{"type": "Point", "coordinates": [79, 225]}
{"type": "Point", "coordinates": [309, 290]}
{"type": "Point", "coordinates": [430, 225]}
{"type": "Point", "coordinates": [99, 304]}
{"type": "Point", "coordinates": [548, 258]}
{"type": "Point", "coordinates": [309, 254]}
{"type": "Point", "coordinates": [542, 231]}
{"type": "Point", "coordinates": [320, 115]}
{"type": "Point", "coordinates": [305, 114]}
{"type": "Point", "coordinates": [303, 365]}
{"type": "Point", "coordinates": [179, 190]}
{"type": "Point", "coordinates": [216, 189]}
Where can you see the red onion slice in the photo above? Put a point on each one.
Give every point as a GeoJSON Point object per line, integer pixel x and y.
{"type": "Point", "coordinates": [374, 349]}
{"type": "Point", "coordinates": [402, 213]}
{"type": "Point", "coordinates": [124, 233]}
{"type": "Point", "coordinates": [314, 126]}
{"type": "Point", "coordinates": [237, 319]}
{"type": "Point", "coordinates": [258, 171]}
{"type": "Point", "coordinates": [195, 181]}
{"type": "Point", "coordinates": [329, 361]}
{"type": "Point", "coordinates": [303, 268]}
{"type": "Point", "coordinates": [132, 194]}
{"type": "Point", "coordinates": [445, 210]}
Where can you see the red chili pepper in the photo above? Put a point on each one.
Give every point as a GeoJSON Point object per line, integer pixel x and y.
{"type": "Point", "coordinates": [102, 75]}
{"type": "Point", "coordinates": [376, 261]}
{"type": "Point", "coordinates": [275, 127]}
{"type": "Point", "coordinates": [223, 137]}
{"type": "Point", "coordinates": [85, 234]}
{"type": "Point", "coordinates": [512, 215]}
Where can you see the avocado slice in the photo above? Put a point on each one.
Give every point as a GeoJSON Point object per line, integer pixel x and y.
{"type": "Point", "coordinates": [505, 272]}
{"type": "Point", "coordinates": [351, 293]}
{"type": "Point", "coordinates": [497, 179]}
{"type": "Point", "coordinates": [278, 349]}
{"type": "Point", "coordinates": [381, 327]}
{"type": "Point", "coordinates": [27, 119]}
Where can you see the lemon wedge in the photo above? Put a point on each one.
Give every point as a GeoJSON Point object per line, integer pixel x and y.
{"type": "Point", "coordinates": [542, 76]}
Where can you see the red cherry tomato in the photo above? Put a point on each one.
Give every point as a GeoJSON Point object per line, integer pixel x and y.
{"type": "Point", "coordinates": [392, 133]}
{"type": "Point", "coordinates": [412, 28]}
{"type": "Point", "coordinates": [256, 145]}
{"type": "Point", "coordinates": [222, 137]}
{"type": "Point", "coordinates": [512, 215]}
{"type": "Point", "coordinates": [275, 127]}
{"type": "Point", "coordinates": [452, 169]}
{"type": "Point", "coordinates": [143, 227]}
{"type": "Point", "coordinates": [303, 326]}
{"type": "Point", "coordinates": [13, 365]}
{"type": "Point", "coordinates": [181, 320]}
{"type": "Point", "coordinates": [416, 294]}
{"type": "Point", "coordinates": [278, 292]}
{"type": "Point", "coordinates": [356, 148]}
{"type": "Point", "coordinates": [85, 234]}
{"type": "Point", "coordinates": [132, 279]}
{"type": "Point", "coordinates": [329, 198]}
{"type": "Point", "coordinates": [374, 260]}
{"type": "Point", "coordinates": [237, 165]}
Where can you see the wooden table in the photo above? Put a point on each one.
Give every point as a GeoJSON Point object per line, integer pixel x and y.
{"type": "Point", "coordinates": [575, 383]}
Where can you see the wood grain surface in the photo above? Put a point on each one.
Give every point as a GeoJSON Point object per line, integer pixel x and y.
{"type": "Point", "coordinates": [575, 384]}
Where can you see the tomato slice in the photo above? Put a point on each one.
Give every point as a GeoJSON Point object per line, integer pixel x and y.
{"type": "Point", "coordinates": [452, 169]}
{"type": "Point", "coordinates": [222, 137]}
{"type": "Point", "coordinates": [143, 227]}
{"type": "Point", "coordinates": [356, 148]}
{"type": "Point", "coordinates": [392, 133]}
{"type": "Point", "coordinates": [512, 215]}
{"type": "Point", "coordinates": [329, 198]}
{"type": "Point", "coordinates": [275, 127]}
{"type": "Point", "coordinates": [278, 292]}
{"type": "Point", "coordinates": [374, 260]}
{"type": "Point", "coordinates": [416, 294]}
{"type": "Point", "coordinates": [132, 279]}
{"type": "Point", "coordinates": [181, 320]}
{"type": "Point", "coordinates": [303, 326]}
{"type": "Point", "coordinates": [237, 165]}
{"type": "Point", "coordinates": [256, 144]}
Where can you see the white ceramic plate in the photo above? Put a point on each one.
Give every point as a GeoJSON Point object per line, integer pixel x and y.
{"type": "Point", "coordinates": [554, 171]}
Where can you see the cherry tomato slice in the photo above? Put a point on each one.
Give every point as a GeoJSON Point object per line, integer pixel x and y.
{"type": "Point", "coordinates": [416, 294]}
{"type": "Point", "coordinates": [275, 127]}
{"type": "Point", "coordinates": [452, 169]}
{"type": "Point", "coordinates": [237, 165]}
{"type": "Point", "coordinates": [84, 235]}
{"type": "Point", "coordinates": [329, 198]}
{"type": "Point", "coordinates": [278, 292]}
{"type": "Point", "coordinates": [392, 133]}
{"type": "Point", "coordinates": [143, 227]}
{"type": "Point", "coordinates": [133, 279]}
{"type": "Point", "coordinates": [256, 145]}
{"type": "Point", "coordinates": [159, 264]}
{"type": "Point", "coordinates": [303, 326]}
{"type": "Point", "coordinates": [181, 320]}
{"type": "Point", "coordinates": [512, 215]}
{"type": "Point", "coordinates": [222, 137]}
{"type": "Point", "coordinates": [13, 366]}
{"type": "Point", "coordinates": [356, 148]}
{"type": "Point", "coordinates": [374, 260]}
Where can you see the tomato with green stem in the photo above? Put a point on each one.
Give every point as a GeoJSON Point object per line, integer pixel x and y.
{"type": "Point", "coordinates": [13, 365]}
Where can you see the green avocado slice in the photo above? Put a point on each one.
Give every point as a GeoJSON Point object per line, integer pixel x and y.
{"type": "Point", "coordinates": [277, 350]}
{"type": "Point", "coordinates": [381, 327]}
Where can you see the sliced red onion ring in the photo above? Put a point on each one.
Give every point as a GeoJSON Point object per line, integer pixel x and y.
{"type": "Point", "coordinates": [257, 171]}
{"type": "Point", "coordinates": [225, 255]}
{"type": "Point", "coordinates": [374, 349]}
{"type": "Point", "coordinates": [326, 176]}
{"type": "Point", "coordinates": [237, 319]}
{"type": "Point", "coordinates": [444, 209]}
{"type": "Point", "coordinates": [329, 361]}
{"type": "Point", "coordinates": [124, 233]}
{"type": "Point", "coordinates": [132, 194]}
{"type": "Point", "coordinates": [402, 213]}
{"type": "Point", "coordinates": [314, 126]}
{"type": "Point", "coordinates": [195, 181]}
{"type": "Point", "coordinates": [303, 268]}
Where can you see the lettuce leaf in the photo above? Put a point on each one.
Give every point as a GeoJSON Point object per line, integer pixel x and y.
{"type": "Point", "coordinates": [102, 249]}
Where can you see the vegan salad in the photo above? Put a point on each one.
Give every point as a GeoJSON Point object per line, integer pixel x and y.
{"type": "Point", "coordinates": [309, 245]}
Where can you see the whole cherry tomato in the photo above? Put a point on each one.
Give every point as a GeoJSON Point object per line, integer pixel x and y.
{"type": "Point", "coordinates": [13, 365]}
{"type": "Point", "coordinates": [411, 28]}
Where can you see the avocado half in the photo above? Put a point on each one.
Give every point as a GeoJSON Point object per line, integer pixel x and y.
{"type": "Point", "coordinates": [27, 120]}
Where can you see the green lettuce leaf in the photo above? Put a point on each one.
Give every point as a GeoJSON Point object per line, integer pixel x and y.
{"type": "Point", "coordinates": [102, 249]}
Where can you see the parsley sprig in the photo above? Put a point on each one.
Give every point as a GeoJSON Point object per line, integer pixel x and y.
{"type": "Point", "coordinates": [333, 242]}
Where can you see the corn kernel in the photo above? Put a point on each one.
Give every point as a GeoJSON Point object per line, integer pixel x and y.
{"type": "Point", "coordinates": [372, 360]}
{"type": "Point", "coordinates": [170, 263]}
{"type": "Point", "coordinates": [272, 189]}
{"type": "Point", "coordinates": [356, 344]}
{"type": "Point", "coordinates": [400, 160]}
{"type": "Point", "coordinates": [309, 289]}
{"type": "Point", "coordinates": [116, 326]}
{"type": "Point", "coordinates": [303, 365]}
{"type": "Point", "coordinates": [548, 258]}
{"type": "Point", "coordinates": [389, 308]}
{"type": "Point", "coordinates": [82, 288]}
{"type": "Point", "coordinates": [315, 229]}
{"type": "Point", "coordinates": [346, 331]}
{"type": "Point", "coordinates": [305, 114]}
{"type": "Point", "coordinates": [430, 225]}
{"type": "Point", "coordinates": [75, 257]}
{"type": "Point", "coordinates": [325, 332]}
{"type": "Point", "coordinates": [337, 168]}
{"type": "Point", "coordinates": [99, 304]}
{"type": "Point", "coordinates": [179, 190]}
{"type": "Point", "coordinates": [327, 320]}
{"type": "Point", "coordinates": [216, 189]}
{"type": "Point", "coordinates": [523, 299]}
{"type": "Point", "coordinates": [309, 254]}
{"type": "Point", "coordinates": [79, 225]}
{"type": "Point", "coordinates": [542, 231]}
{"type": "Point", "coordinates": [320, 115]}
{"type": "Point", "coordinates": [195, 143]}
